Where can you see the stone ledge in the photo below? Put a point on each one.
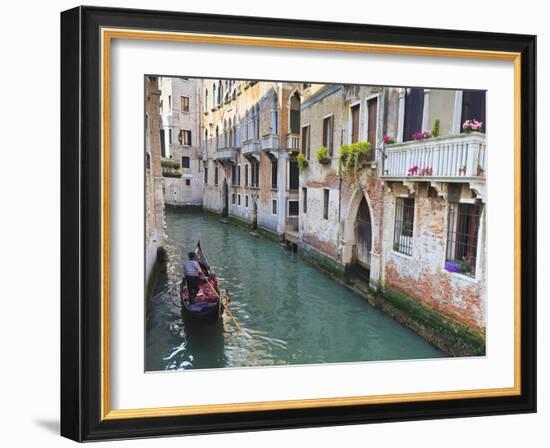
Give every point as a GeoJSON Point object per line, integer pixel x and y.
{"type": "Point", "coordinates": [447, 335]}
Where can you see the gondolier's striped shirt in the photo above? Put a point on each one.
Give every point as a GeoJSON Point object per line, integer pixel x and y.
{"type": "Point", "coordinates": [191, 268]}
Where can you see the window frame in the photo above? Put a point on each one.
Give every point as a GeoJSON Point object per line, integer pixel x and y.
{"type": "Point", "coordinates": [406, 248]}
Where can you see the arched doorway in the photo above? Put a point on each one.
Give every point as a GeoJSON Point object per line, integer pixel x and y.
{"type": "Point", "coordinates": [363, 235]}
{"type": "Point", "coordinates": [225, 198]}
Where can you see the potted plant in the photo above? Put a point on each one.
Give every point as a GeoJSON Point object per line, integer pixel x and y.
{"type": "Point", "coordinates": [472, 125]}
{"type": "Point", "coordinates": [302, 161]}
{"type": "Point", "coordinates": [323, 155]}
{"type": "Point", "coordinates": [388, 140]}
{"type": "Point", "coordinates": [435, 128]}
{"type": "Point", "coordinates": [452, 266]}
{"type": "Point", "coordinates": [422, 135]}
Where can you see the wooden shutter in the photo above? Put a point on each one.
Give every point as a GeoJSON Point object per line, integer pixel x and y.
{"type": "Point", "coordinates": [355, 123]}
{"type": "Point", "coordinates": [372, 109]}
{"type": "Point", "coordinates": [473, 107]}
{"type": "Point", "coordinates": [414, 108]}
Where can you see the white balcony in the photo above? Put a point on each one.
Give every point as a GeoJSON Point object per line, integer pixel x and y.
{"type": "Point", "coordinates": [293, 142]}
{"type": "Point", "coordinates": [227, 154]}
{"type": "Point", "coordinates": [251, 148]}
{"type": "Point", "coordinates": [456, 158]}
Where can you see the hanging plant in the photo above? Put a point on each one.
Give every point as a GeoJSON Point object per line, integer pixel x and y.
{"type": "Point", "coordinates": [302, 161]}
{"type": "Point", "coordinates": [351, 156]}
{"type": "Point", "coordinates": [323, 155]}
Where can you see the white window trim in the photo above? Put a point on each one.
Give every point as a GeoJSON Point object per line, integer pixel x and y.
{"type": "Point", "coordinates": [457, 112]}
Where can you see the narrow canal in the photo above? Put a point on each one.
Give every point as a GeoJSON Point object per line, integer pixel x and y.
{"type": "Point", "coordinates": [290, 312]}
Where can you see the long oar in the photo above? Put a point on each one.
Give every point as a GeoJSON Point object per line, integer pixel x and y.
{"type": "Point", "coordinates": [226, 306]}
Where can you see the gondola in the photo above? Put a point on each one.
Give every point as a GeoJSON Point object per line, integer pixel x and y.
{"type": "Point", "coordinates": [207, 304]}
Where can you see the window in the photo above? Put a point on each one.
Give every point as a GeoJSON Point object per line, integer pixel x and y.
{"type": "Point", "coordinates": [206, 175]}
{"type": "Point", "coordinates": [246, 201]}
{"type": "Point", "coordinates": [233, 175]}
{"type": "Point", "coordinates": [255, 174]}
{"type": "Point", "coordinates": [306, 141]}
{"type": "Point", "coordinates": [239, 200]}
{"type": "Point", "coordinates": [293, 175]}
{"type": "Point", "coordinates": [233, 198]}
{"type": "Point", "coordinates": [325, 203]}
{"type": "Point", "coordinates": [185, 104]}
{"type": "Point", "coordinates": [274, 166]}
{"type": "Point", "coordinates": [185, 137]}
{"type": "Point", "coordinates": [185, 163]}
{"type": "Point", "coordinates": [414, 109]}
{"type": "Point", "coordinates": [404, 224]}
{"type": "Point", "coordinates": [147, 160]}
{"type": "Point", "coordinates": [355, 123]}
{"type": "Point", "coordinates": [462, 238]}
{"type": "Point", "coordinates": [170, 136]}
{"type": "Point", "coordinates": [162, 143]}
{"type": "Point", "coordinates": [274, 206]}
{"type": "Point", "coordinates": [293, 208]}
{"type": "Point", "coordinates": [246, 175]}
{"type": "Point", "coordinates": [328, 133]}
{"type": "Point", "coordinates": [473, 107]}
{"type": "Point", "coordinates": [187, 182]}
{"type": "Point", "coordinates": [295, 114]}
{"type": "Point", "coordinates": [216, 175]}
{"type": "Point", "coordinates": [169, 102]}
{"type": "Point", "coordinates": [206, 100]}
{"type": "Point", "coordinates": [372, 121]}
{"type": "Point", "coordinates": [304, 199]}
{"type": "Point", "coordinates": [239, 176]}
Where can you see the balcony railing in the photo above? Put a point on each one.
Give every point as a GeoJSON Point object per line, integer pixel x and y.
{"type": "Point", "coordinates": [270, 142]}
{"type": "Point", "coordinates": [450, 158]}
{"type": "Point", "coordinates": [227, 154]}
{"type": "Point", "coordinates": [251, 148]}
{"type": "Point", "coordinates": [293, 142]}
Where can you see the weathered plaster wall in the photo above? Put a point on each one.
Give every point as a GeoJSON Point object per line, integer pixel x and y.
{"type": "Point", "coordinates": [422, 275]}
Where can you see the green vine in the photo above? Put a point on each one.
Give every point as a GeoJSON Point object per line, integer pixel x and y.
{"type": "Point", "coordinates": [302, 161]}
{"type": "Point", "coordinates": [350, 157]}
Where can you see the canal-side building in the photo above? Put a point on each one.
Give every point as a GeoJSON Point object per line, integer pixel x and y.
{"type": "Point", "coordinates": [410, 220]}
{"type": "Point", "coordinates": [250, 140]}
{"type": "Point", "coordinates": [154, 181]}
{"type": "Point", "coordinates": [181, 113]}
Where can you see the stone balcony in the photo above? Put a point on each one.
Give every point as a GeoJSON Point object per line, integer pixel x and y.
{"type": "Point", "coordinates": [270, 144]}
{"type": "Point", "coordinates": [293, 142]}
{"type": "Point", "coordinates": [227, 154]}
{"type": "Point", "coordinates": [457, 158]}
{"type": "Point", "coordinates": [251, 148]}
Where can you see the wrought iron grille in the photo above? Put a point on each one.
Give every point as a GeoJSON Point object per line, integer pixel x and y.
{"type": "Point", "coordinates": [462, 238]}
{"type": "Point", "coordinates": [404, 224]}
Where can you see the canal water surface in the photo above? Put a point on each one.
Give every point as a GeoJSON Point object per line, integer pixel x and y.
{"type": "Point", "coordinates": [290, 312]}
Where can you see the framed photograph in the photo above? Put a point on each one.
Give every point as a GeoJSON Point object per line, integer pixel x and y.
{"type": "Point", "coordinates": [275, 223]}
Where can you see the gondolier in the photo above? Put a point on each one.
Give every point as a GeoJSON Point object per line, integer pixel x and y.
{"type": "Point", "coordinates": [192, 272]}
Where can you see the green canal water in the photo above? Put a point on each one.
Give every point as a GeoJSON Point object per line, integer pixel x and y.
{"type": "Point", "coordinates": [290, 312]}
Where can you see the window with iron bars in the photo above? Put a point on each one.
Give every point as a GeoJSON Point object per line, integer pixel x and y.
{"type": "Point", "coordinates": [404, 225]}
{"type": "Point", "coordinates": [462, 236]}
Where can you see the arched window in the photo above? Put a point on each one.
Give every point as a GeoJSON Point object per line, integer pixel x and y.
{"type": "Point", "coordinates": [213, 95]}
{"type": "Point", "coordinates": [257, 122]}
{"type": "Point", "coordinates": [217, 137]}
{"type": "Point", "coordinates": [220, 93]}
{"type": "Point", "coordinates": [275, 114]}
{"type": "Point", "coordinates": [246, 126]}
{"type": "Point", "coordinates": [295, 113]}
{"type": "Point", "coordinates": [206, 140]}
{"type": "Point", "coordinates": [230, 132]}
